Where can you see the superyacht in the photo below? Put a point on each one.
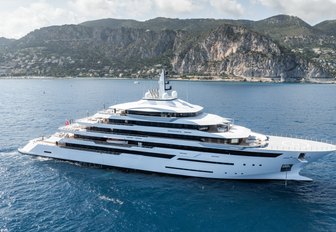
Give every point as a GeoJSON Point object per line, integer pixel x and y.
{"type": "Point", "coordinates": [163, 134]}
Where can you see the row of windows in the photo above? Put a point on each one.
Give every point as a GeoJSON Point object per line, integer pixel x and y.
{"type": "Point", "coordinates": [188, 169]}
{"type": "Point", "coordinates": [166, 135]}
{"type": "Point", "coordinates": [154, 124]}
{"type": "Point", "coordinates": [116, 151]}
{"type": "Point", "coordinates": [161, 114]}
{"type": "Point", "coordinates": [188, 148]}
{"type": "Point", "coordinates": [209, 128]}
{"type": "Point", "coordinates": [205, 161]}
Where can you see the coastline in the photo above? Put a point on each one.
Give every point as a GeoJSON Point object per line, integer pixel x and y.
{"type": "Point", "coordinates": [188, 78]}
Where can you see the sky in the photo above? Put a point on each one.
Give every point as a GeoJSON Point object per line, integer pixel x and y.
{"type": "Point", "coordinates": [19, 17]}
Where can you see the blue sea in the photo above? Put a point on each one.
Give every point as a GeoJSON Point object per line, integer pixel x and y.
{"type": "Point", "coordinates": [38, 194]}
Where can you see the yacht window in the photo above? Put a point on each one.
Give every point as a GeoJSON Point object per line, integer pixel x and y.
{"type": "Point", "coordinates": [162, 114]}
{"type": "Point", "coordinates": [213, 128]}
{"type": "Point", "coordinates": [286, 167]}
{"type": "Point", "coordinates": [154, 124]}
{"type": "Point", "coordinates": [222, 128]}
{"type": "Point", "coordinates": [302, 156]}
{"type": "Point", "coordinates": [234, 141]}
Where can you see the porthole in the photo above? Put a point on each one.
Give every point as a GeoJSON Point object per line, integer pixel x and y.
{"type": "Point", "coordinates": [253, 164]}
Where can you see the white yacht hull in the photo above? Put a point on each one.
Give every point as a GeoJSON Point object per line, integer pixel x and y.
{"type": "Point", "coordinates": [194, 164]}
{"type": "Point", "coordinates": [163, 134]}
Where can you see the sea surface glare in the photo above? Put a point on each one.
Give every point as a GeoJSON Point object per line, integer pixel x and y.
{"type": "Point", "coordinates": [38, 194]}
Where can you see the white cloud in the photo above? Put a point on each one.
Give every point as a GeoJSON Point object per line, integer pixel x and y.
{"type": "Point", "coordinates": [92, 9]}
{"type": "Point", "coordinates": [176, 6]}
{"type": "Point", "coordinates": [18, 17]}
{"type": "Point", "coordinates": [135, 9]}
{"type": "Point", "coordinates": [231, 7]}
{"type": "Point", "coordinates": [27, 18]}
{"type": "Point", "coordinates": [310, 10]}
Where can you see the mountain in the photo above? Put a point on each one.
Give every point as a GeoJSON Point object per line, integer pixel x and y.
{"type": "Point", "coordinates": [234, 50]}
{"type": "Point", "coordinates": [327, 27]}
{"type": "Point", "coordinates": [157, 24]}
{"type": "Point", "coordinates": [315, 44]}
{"type": "Point", "coordinates": [270, 48]}
{"type": "Point", "coordinates": [276, 26]}
{"type": "Point", "coordinates": [281, 26]}
{"type": "Point", "coordinates": [5, 42]}
{"type": "Point", "coordinates": [112, 23]}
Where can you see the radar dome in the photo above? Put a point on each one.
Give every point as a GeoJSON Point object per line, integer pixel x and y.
{"type": "Point", "coordinates": [147, 94]}
{"type": "Point", "coordinates": [165, 96]}
{"type": "Point", "coordinates": [174, 94]}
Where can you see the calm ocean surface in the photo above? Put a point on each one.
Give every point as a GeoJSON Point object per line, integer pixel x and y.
{"type": "Point", "coordinates": [46, 195]}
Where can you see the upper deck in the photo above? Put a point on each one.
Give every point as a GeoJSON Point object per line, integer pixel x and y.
{"type": "Point", "coordinates": [159, 102]}
{"type": "Point", "coordinates": [156, 107]}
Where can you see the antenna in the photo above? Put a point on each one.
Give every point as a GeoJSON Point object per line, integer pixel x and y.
{"type": "Point", "coordinates": [187, 90]}
{"type": "Point", "coordinates": [163, 83]}
{"type": "Point", "coordinates": [167, 81]}
{"type": "Point", "coordinates": [161, 92]}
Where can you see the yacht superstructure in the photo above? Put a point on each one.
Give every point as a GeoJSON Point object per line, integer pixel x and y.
{"type": "Point", "coordinates": [164, 134]}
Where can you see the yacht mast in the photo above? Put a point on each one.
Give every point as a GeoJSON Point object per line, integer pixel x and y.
{"type": "Point", "coordinates": [163, 84]}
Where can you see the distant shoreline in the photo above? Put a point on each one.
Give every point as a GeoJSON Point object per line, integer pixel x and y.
{"type": "Point", "coordinates": [174, 78]}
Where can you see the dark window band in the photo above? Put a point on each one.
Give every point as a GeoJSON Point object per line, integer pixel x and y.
{"type": "Point", "coordinates": [192, 148]}
{"type": "Point", "coordinates": [204, 161]}
{"type": "Point", "coordinates": [158, 124]}
{"type": "Point", "coordinates": [116, 151]}
{"type": "Point", "coordinates": [161, 114]}
{"type": "Point", "coordinates": [187, 169]}
{"type": "Point", "coordinates": [212, 150]}
{"type": "Point", "coordinates": [157, 134]}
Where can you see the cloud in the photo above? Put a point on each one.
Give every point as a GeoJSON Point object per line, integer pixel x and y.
{"type": "Point", "coordinates": [310, 10]}
{"type": "Point", "coordinates": [18, 17]}
{"type": "Point", "coordinates": [230, 7]}
{"type": "Point", "coordinates": [27, 18]}
{"type": "Point", "coordinates": [146, 9]}
{"type": "Point", "coordinates": [92, 9]}
{"type": "Point", "coordinates": [176, 6]}
{"type": "Point", "coordinates": [36, 14]}
{"type": "Point", "coordinates": [130, 8]}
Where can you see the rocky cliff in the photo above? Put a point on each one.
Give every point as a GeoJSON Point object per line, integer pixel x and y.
{"type": "Point", "coordinates": [216, 48]}
{"type": "Point", "coordinates": [236, 51]}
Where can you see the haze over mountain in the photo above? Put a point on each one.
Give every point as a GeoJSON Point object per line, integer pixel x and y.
{"type": "Point", "coordinates": [279, 47]}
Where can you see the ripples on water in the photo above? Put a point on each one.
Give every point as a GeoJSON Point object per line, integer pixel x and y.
{"type": "Point", "coordinates": [39, 194]}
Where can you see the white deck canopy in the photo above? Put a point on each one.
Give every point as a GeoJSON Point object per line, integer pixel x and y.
{"type": "Point", "coordinates": [171, 106]}
{"type": "Point", "coordinates": [160, 101]}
